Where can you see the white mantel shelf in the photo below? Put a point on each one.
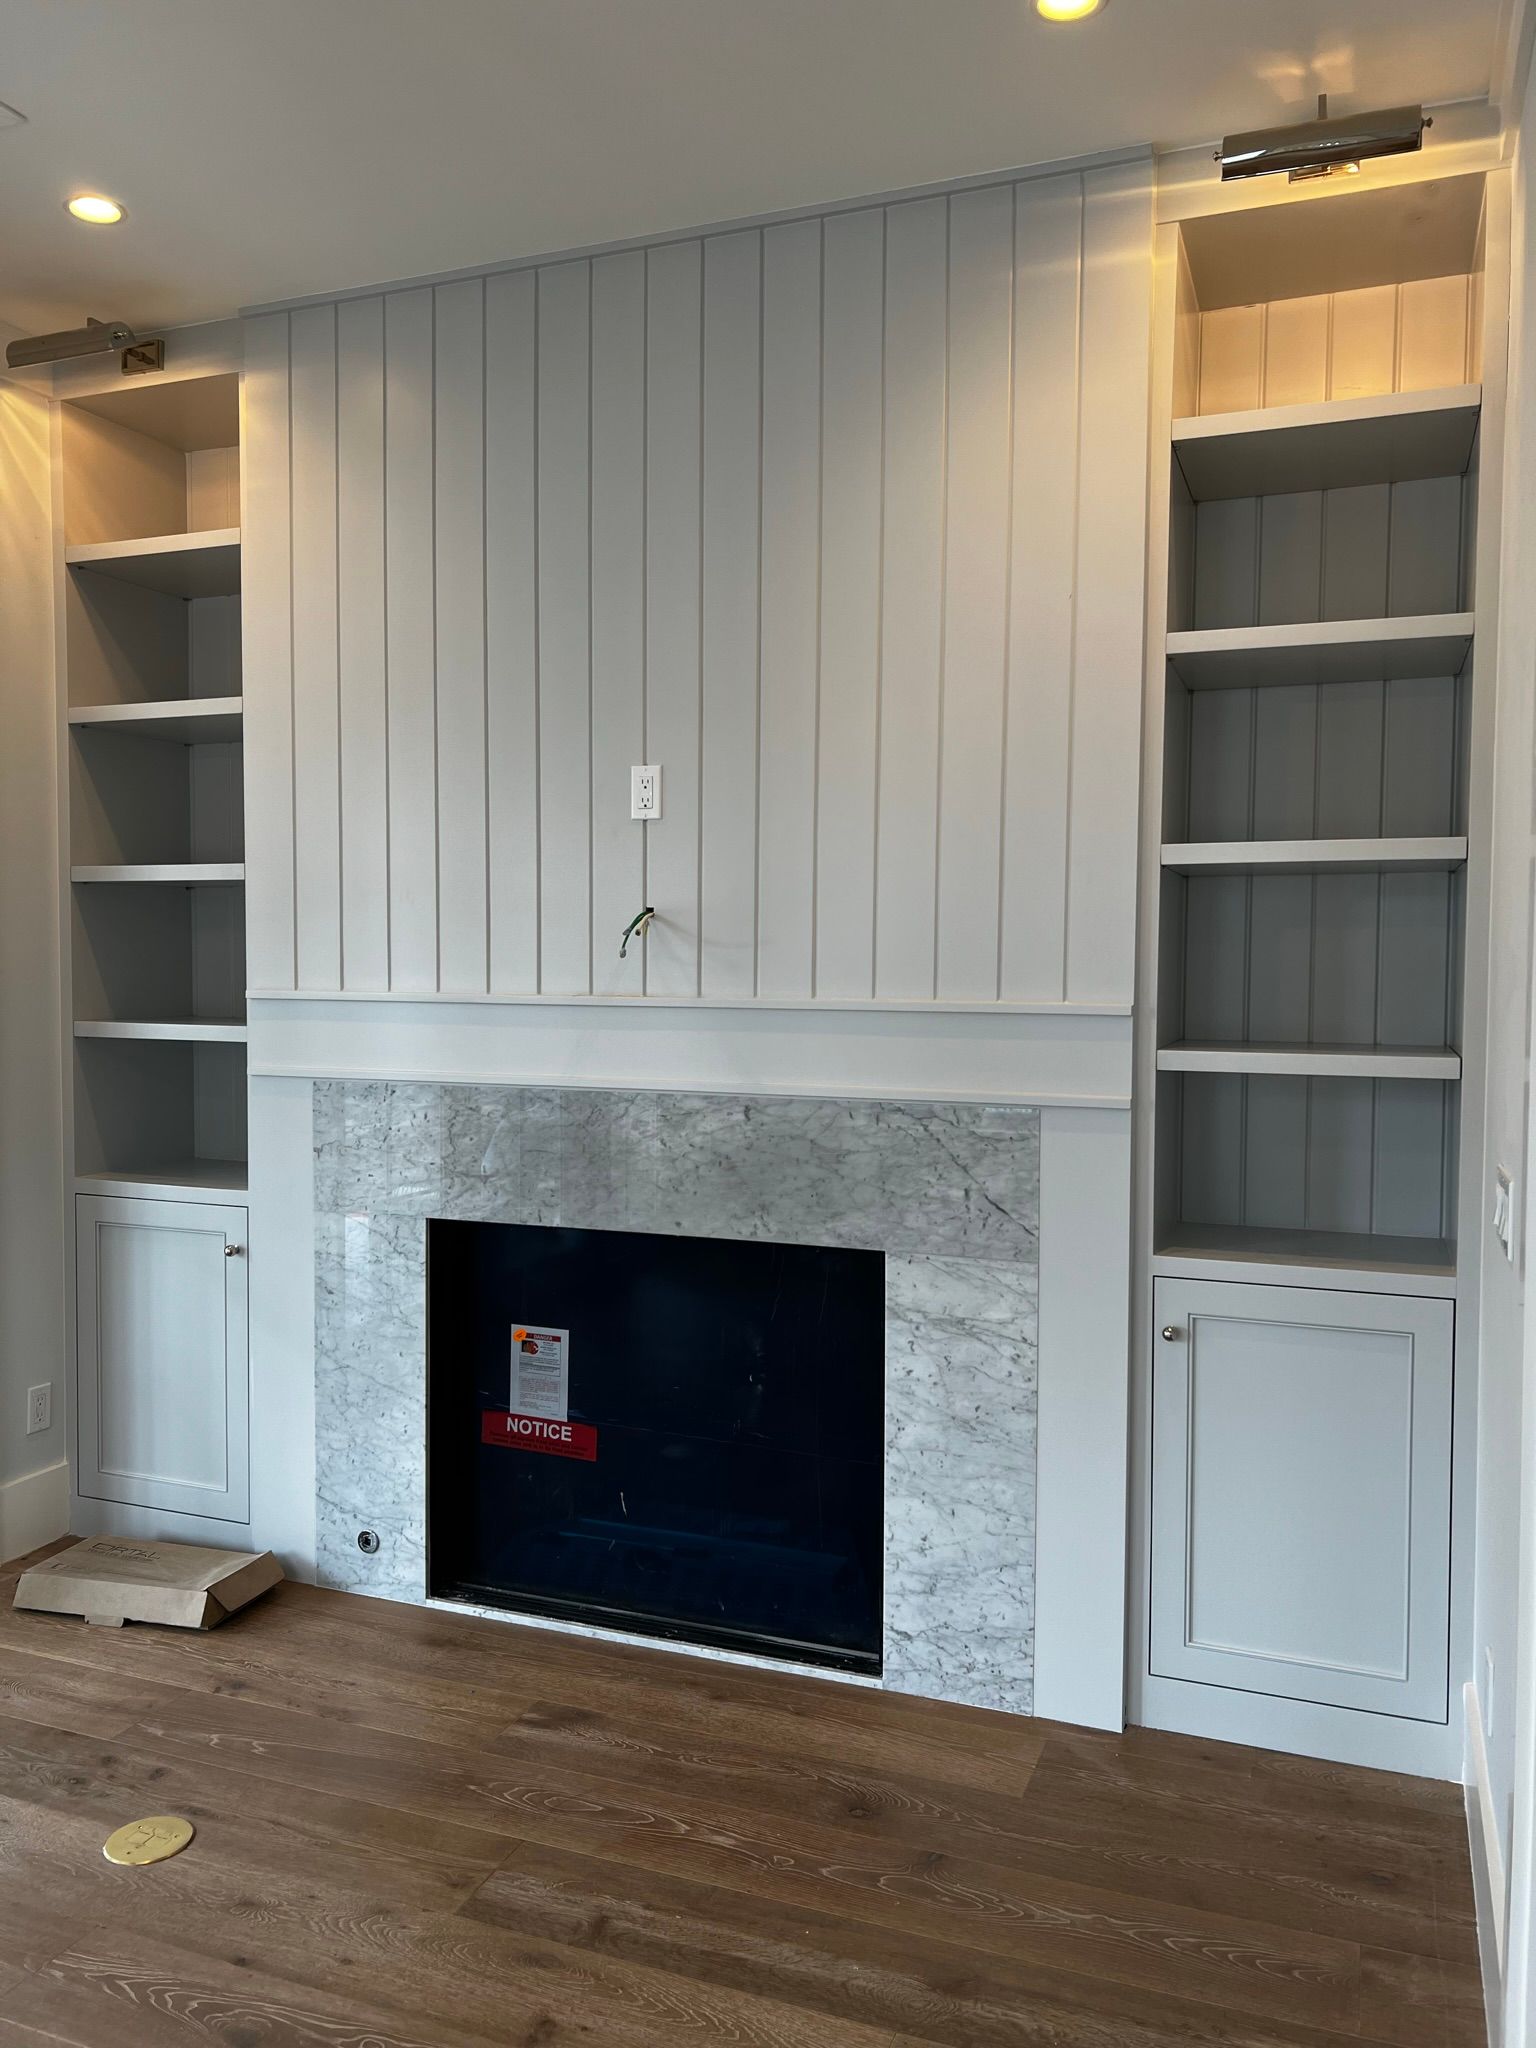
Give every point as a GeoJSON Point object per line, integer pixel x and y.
{"type": "Point", "coordinates": [1072, 1056]}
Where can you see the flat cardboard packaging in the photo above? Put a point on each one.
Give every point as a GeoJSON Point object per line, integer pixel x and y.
{"type": "Point", "coordinates": [112, 1579]}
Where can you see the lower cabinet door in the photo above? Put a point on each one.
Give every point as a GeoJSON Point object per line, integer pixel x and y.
{"type": "Point", "coordinates": [1301, 1494]}
{"type": "Point", "coordinates": [161, 1349]}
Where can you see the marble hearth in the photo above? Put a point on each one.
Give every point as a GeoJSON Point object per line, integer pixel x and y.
{"type": "Point", "coordinates": [950, 1192]}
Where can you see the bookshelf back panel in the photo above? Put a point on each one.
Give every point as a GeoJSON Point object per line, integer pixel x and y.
{"type": "Point", "coordinates": [1419, 336]}
{"type": "Point", "coordinates": [1302, 761]}
{"type": "Point", "coordinates": [147, 951]}
{"type": "Point", "coordinates": [1284, 1152]}
{"type": "Point", "coordinates": [1298, 557]}
{"type": "Point", "coordinates": [1327, 959]}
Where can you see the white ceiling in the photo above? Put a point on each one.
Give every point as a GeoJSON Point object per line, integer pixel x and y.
{"type": "Point", "coordinates": [266, 149]}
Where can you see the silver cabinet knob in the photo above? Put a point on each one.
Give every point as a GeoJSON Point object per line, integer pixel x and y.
{"type": "Point", "coordinates": [1170, 1331]}
{"type": "Point", "coordinates": [233, 1251]}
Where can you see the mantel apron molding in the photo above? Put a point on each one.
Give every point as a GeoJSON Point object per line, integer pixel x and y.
{"type": "Point", "coordinates": [1073, 1056]}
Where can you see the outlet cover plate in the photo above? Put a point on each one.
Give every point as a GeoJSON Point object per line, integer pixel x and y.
{"type": "Point", "coordinates": [645, 792]}
{"type": "Point", "coordinates": [39, 1407]}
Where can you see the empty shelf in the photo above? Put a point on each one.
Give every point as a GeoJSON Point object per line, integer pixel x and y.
{"type": "Point", "coordinates": [180, 1030]}
{"type": "Point", "coordinates": [1336, 651]}
{"type": "Point", "coordinates": [1395, 1062]}
{"type": "Point", "coordinates": [1387, 440]}
{"type": "Point", "coordinates": [1431, 1259]}
{"type": "Point", "coordinates": [180, 564]}
{"type": "Point", "coordinates": [191, 720]}
{"type": "Point", "coordinates": [1307, 856]}
{"type": "Point", "coordinates": [162, 871]}
{"type": "Point", "coordinates": [190, 1180]}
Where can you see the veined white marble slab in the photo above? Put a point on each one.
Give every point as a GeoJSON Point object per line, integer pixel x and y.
{"type": "Point", "coordinates": [949, 1191]}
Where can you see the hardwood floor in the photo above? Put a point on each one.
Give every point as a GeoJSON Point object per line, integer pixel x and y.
{"type": "Point", "coordinates": [418, 1828]}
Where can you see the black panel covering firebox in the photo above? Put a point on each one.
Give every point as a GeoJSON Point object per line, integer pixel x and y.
{"type": "Point", "coordinates": [678, 1436]}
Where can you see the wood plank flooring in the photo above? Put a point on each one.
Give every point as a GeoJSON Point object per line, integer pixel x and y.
{"type": "Point", "coordinates": [418, 1830]}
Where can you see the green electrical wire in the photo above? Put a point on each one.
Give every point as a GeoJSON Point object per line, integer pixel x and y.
{"type": "Point", "coordinates": [636, 927]}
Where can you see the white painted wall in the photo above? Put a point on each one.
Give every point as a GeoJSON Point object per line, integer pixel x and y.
{"type": "Point", "coordinates": [839, 520]}
{"type": "Point", "coordinates": [33, 1485]}
{"type": "Point", "coordinates": [1506, 1529]}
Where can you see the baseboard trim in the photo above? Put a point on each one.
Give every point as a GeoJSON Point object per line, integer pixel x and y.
{"type": "Point", "coordinates": [1488, 1883]}
{"type": "Point", "coordinates": [34, 1509]}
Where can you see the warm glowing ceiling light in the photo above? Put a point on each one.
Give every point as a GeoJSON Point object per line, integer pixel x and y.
{"type": "Point", "coordinates": [100, 211]}
{"type": "Point", "coordinates": [1067, 10]}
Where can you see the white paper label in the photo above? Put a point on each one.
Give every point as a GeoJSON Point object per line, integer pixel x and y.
{"type": "Point", "coordinates": [541, 1372]}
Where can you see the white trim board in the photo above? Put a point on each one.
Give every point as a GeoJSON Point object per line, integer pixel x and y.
{"type": "Point", "coordinates": [971, 1056]}
{"type": "Point", "coordinates": [34, 1510]}
{"type": "Point", "coordinates": [1083, 1418]}
{"type": "Point", "coordinates": [1483, 1825]}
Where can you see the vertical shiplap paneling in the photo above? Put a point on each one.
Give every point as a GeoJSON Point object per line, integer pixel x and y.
{"type": "Point", "coordinates": [916, 350]}
{"type": "Point", "coordinates": [565, 646]}
{"type": "Point", "coordinates": [673, 399]}
{"type": "Point", "coordinates": [316, 703]}
{"type": "Point", "coordinates": [266, 633]}
{"type": "Point", "coordinates": [409, 518]}
{"type": "Point", "coordinates": [732, 486]}
{"type": "Point", "coordinates": [1110, 583]}
{"type": "Point", "coordinates": [848, 723]}
{"type": "Point", "coordinates": [511, 628]}
{"type": "Point", "coordinates": [1048, 259]}
{"type": "Point", "coordinates": [459, 493]}
{"type": "Point", "coordinates": [977, 551]}
{"type": "Point", "coordinates": [791, 605]}
{"type": "Point", "coordinates": [618, 611]}
{"type": "Point", "coordinates": [360, 644]}
{"type": "Point", "coordinates": [840, 522]}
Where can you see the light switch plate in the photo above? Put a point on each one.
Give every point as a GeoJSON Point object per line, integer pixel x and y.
{"type": "Point", "coordinates": [1504, 1210]}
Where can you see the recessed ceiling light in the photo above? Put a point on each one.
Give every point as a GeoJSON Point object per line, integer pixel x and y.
{"type": "Point", "coordinates": [1068, 10]}
{"type": "Point", "coordinates": [95, 208]}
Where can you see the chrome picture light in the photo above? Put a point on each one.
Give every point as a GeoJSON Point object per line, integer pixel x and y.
{"type": "Point", "coordinates": [96, 337]}
{"type": "Point", "coordinates": [1322, 148]}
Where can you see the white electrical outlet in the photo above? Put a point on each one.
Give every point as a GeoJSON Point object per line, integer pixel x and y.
{"type": "Point", "coordinates": [39, 1407]}
{"type": "Point", "coordinates": [645, 792]}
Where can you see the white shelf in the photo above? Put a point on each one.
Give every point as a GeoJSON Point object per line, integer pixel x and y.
{"type": "Point", "coordinates": [1337, 651]}
{"type": "Point", "coordinates": [189, 1180]}
{"type": "Point", "coordinates": [193, 721]}
{"type": "Point", "coordinates": [186, 871]}
{"type": "Point", "coordinates": [1412, 1265]}
{"type": "Point", "coordinates": [180, 564]}
{"type": "Point", "coordinates": [1387, 440]}
{"type": "Point", "coordinates": [177, 1030]}
{"type": "Point", "coordinates": [1382, 1062]}
{"type": "Point", "coordinates": [1308, 856]}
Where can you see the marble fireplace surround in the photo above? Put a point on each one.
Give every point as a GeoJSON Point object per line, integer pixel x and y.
{"type": "Point", "coordinates": [949, 1191]}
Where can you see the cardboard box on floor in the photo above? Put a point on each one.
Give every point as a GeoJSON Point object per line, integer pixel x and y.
{"type": "Point", "coordinates": [113, 1579]}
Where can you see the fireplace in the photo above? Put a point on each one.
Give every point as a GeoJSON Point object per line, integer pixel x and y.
{"type": "Point", "coordinates": [679, 1436]}
{"type": "Point", "coordinates": [942, 1201]}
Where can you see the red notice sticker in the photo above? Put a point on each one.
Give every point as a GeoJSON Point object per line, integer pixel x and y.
{"type": "Point", "coordinates": [538, 1433]}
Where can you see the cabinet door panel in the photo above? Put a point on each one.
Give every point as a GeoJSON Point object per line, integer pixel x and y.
{"type": "Point", "coordinates": [162, 1382]}
{"type": "Point", "coordinates": [1301, 1494]}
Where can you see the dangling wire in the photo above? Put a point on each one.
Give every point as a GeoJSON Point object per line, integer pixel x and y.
{"type": "Point", "coordinates": [637, 928]}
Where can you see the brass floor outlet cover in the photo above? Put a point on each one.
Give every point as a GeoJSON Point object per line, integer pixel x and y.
{"type": "Point", "coordinates": [148, 1841]}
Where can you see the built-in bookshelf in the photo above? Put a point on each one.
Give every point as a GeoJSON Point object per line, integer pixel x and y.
{"type": "Point", "coordinates": [153, 716]}
{"type": "Point", "coordinates": [1321, 626]}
